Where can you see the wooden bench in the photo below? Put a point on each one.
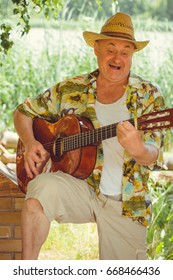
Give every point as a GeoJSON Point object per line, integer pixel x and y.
{"type": "Point", "coordinates": [11, 200]}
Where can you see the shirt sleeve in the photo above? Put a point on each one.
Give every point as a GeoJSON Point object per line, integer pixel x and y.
{"type": "Point", "coordinates": [156, 137]}
{"type": "Point", "coordinates": [45, 105]}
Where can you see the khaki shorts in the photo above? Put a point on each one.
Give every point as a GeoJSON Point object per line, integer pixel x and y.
{"type": "Point", "coordinates": [70, 200]}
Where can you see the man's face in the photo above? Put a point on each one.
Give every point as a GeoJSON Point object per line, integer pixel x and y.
{"type": "Point", "coordinates": [114, 59]}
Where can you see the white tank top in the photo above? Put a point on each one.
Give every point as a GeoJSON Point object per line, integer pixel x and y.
{"type": "Point", "coordinates": [111, 178]}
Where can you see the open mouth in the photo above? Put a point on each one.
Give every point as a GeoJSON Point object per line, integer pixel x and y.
{"type": "Point", "coordinates": [115, 67]}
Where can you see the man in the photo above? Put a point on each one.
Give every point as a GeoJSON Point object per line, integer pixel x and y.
{"type": "Point", "coordinates": [115, 195]}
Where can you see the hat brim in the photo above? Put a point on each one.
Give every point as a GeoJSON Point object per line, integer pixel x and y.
{"type": "Point", "coordinates": [91, 37]}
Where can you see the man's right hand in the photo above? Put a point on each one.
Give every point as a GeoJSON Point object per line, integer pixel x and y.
{"type": "Point", "coordinates": [35, 157]}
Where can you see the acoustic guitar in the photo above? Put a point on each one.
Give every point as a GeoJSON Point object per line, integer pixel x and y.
{"type": "Point", "coordinates": [72, 143]}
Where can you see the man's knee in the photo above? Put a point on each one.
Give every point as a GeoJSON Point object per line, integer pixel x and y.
{"type": "Point", "coordinates": [32, 205]}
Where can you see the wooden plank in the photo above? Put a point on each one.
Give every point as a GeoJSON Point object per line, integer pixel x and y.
{"type": "Point", "coordinates": [8, 182]}
{"type": "Point", "coordinates": [8, 188]}
{"type": "Point", "coordinates": [8, 173]}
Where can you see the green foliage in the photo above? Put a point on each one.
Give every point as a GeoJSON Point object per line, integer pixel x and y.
{"type": "Point", "coordinates": [5, 42]}
{"type": "Point", "coordinates": [23, 11]}
{"type": "Point", "coordinates": [24, 18]}
{"type": "Point", "coordinates": [71, 242]}
{"type": "Point", "coordinates": [50, 8]}
{"type": "Point", "coordinates": [160, 233]}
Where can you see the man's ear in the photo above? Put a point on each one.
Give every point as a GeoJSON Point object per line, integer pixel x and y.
{"type": "Point", "coordinates": [96, 47]}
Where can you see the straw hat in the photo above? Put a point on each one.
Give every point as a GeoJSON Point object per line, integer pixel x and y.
{"type": "Point", "coordinates": [119, 27]}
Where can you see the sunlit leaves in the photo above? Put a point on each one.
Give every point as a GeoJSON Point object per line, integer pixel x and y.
{"type": "Point", "coordinates": [5, 42]}
{"type": "Point", "coordinates": [23, 10]}
{"type": "Point", "coordinates": [50, 8]}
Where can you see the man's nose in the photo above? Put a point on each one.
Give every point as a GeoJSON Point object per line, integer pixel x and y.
{"type": "Point", "coordinates": [116, 56]}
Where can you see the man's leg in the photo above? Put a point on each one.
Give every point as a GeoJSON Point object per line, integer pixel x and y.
{"type": "Point", "coordinates": [35, 228]}
{"type": "Point", "coordinates": [52, 196]}
{"type": "Point", "coordinates": [119, 237]}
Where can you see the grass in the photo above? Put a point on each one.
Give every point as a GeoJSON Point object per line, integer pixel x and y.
{"type": "Point", "coordinates": [160, 233]}
{"type": "Point", "coordinates": [71, 242]}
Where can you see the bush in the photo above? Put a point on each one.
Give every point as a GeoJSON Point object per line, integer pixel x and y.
{"type": "Point", "coordinates": [160, 233]}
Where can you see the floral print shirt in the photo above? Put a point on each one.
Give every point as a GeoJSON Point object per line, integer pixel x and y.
{"type": "Point", "coordinates": [77, 96]}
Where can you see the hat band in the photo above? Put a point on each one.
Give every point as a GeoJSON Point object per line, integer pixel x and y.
{"type": "Point", "coordinates": [117, 34]}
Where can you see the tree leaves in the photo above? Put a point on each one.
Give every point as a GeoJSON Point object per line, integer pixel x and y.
{"type": "Point", "coordinates": [23, 9]}
{"type": "Point", "coordinates": [5, 42]}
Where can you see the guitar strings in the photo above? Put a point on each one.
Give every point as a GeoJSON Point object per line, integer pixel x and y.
{"type": "Point", "coordinates": [96, 135]}
{"type": "Point", "coordinates": [71, 142]}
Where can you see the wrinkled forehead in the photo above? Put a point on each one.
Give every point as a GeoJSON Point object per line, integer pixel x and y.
{"type": "Point", "coordinates": [116, 43]}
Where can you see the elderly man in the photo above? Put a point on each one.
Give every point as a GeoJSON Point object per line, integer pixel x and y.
{"type": "Point", "coordinates": [114, 193]}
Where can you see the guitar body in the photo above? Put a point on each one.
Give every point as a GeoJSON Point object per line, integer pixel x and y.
{"type": "Point", "coordinates": [78, 162]}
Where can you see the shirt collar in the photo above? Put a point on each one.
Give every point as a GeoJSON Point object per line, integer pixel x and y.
{"type": "Point", "coordinates": [135, 81]}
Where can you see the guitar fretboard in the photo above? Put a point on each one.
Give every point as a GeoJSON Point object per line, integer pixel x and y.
{"type": "Point", "coordinates": [89, 137]}
{"type": "Point", "coordinates": [152, 121]}
{"type": "Point", "coordinates": [86, 138]}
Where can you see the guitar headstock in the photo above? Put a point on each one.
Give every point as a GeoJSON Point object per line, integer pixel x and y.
{"type": "Point", "coordinates": [156, 120]}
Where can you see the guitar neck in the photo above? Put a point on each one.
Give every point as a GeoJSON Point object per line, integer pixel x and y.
{"type": "Point", "coordinates": [148, 122]}
{"type": "Point", "coordinates": [91, 137]}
